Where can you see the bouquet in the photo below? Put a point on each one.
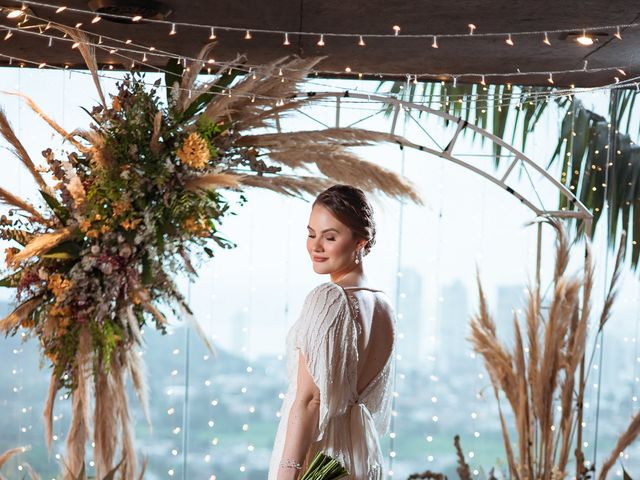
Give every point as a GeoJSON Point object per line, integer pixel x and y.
{"type": "Point", "coordinates": [323, 467]}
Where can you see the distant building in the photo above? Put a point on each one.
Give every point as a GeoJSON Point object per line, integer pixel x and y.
{"type": "Point", "coordinates": [452, 327]}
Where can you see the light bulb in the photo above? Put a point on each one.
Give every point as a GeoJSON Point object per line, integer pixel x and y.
{"type": "Point", "coordinates": [546, 39]}
{"type": "Point", "coordinates": [617, 34]}
{"type": "Point", "coordinates": [212, 36]}
{"type": "Point", "coordinates": [96, 19]}
{"type": "Point", "coordinates": [361, 42]}
{"type": "Point", "coordinates": [61, 9]}
{"type": "Point", "coordinates": [482, 82]}
{"type": "Point", "coordinates": [247, 36]}
{"type": "Point", "coordinates": [286, 39]}
{"type": "Point", "coordinates": [585, 39]}
{"type": "Point", "coordinates": [550, 79]}
{"type": "Point", "coordinates": [15, 13]}
{"type": "Point", "coordinates": [321, 41]}
{"type": "Point", "coordinates": [509, 40]}
{"type": "Point", "coordinates": [472, 28]}
{"type": "Point", "coordinates": [173, 29]}
{"type": "Point", "coordinates": [137, 18]}
{"type": "Point", "coordinates": [435, 42]}
{"type": "Point", "coordinates": [396, 29]}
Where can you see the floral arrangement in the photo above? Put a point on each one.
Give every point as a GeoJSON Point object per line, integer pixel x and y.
{"type": "Point", "coordinates": [137, 195]}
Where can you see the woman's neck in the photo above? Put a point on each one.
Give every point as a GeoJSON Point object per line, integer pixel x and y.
{"type": "Point", "coordinates": [352, 277]}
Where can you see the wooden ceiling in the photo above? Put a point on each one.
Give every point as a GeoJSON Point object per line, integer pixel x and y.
{"type": "Point", "coordinates": [393, 57]}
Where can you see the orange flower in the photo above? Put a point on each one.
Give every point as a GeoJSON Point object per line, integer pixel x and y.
{"type": "Point", "coordinates": [105, 228]}
{"type": "Point", "coordinates": [57, 284]}
{"type": "Point", "coordinates": [85, 225]}
{"type": "Point", "coordinates": [93, 233]}
{"type": "Point", "coordinates": [130, 224]}
{"type": "Point", "coordinates": [9, 253]}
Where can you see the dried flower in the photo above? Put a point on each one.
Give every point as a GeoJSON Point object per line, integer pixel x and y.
{"type": "Point", "coordinates": [194, 151]}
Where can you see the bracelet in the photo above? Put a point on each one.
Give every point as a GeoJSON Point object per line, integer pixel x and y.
{"type": "Point", "coordinates": [291, 464]}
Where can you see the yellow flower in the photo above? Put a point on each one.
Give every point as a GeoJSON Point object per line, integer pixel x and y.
{"type": "Point", "coordinates": [105, 228]}
{"type": "Point", "coordinates": [194, 151]}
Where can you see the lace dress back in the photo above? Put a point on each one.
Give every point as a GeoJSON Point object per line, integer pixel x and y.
{"type": "Point", "coordinates": [330, 334]}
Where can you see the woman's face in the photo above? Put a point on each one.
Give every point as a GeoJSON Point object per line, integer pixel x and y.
{"type": "Point", "coordinates": [330, 242]}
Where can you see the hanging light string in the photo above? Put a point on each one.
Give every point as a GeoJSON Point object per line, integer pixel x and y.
{"type": "Point", "coordinates": [356, 36]}
{"type": "Point", "coordinates": [146, 51]}
{"type": "Point", "coordinates": [331, 103]}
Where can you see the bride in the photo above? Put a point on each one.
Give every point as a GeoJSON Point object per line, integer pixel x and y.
{"type": "Point", "coordinates": [339, 351]}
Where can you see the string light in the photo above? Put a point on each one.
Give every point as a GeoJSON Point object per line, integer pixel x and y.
{"type": "Point", "coordinates": [321, 41]}
{"type": "Point", "coordinates": [96, 19]}
{"type": "Point", "coordinates": [509, 40]}
{"type": "Point", "coordinates": [472, 28]}
{"type": "Point", "coordinates": [61, 9]}
{"type": "Point", "coordinates": [434, 44]}
{"type": "Point", "coordinates": [546, 39]}
{"type": "Point", "coordinates": [622, 72]}
{"type": "Point", "coordinates": [100, 40]}
{"type": "Point", "coordinates": [286, 39]}
{"type": "Point", "coordinates": [8, 35]}
{"type": "Point", "coordinates": [173, 29]}
{"type": "Point", "coordinates": [361, 42]}
{"type": "Point", "coordinates": [50, 41]}
{"type": "Point", "coordinates": [247, 35]}
{"type": "Point", "coordinates": [136, 18]}
{"type": "Point", "coordinates": [396, 29]}
{"type": "Point", "coordinates": [550, 79]}
{"type": "Point", "coordinates": [482, 81]}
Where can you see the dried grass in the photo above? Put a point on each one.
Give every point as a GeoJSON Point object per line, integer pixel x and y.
{"type": "Point", "coordinates": [536, 381]}
{"type": "Point", "coordinates": [625, 440]}
{"type": "Point", "coordinates": [11, 453]}
{"type": "Point", "coordinates": [21, 313]}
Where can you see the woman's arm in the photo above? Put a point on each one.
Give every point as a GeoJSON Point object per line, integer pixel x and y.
{"type": "Point", "coordinates": [302, 423]}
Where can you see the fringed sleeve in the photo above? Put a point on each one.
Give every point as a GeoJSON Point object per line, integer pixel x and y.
{"type": "Point", "coordinates": [328, 340]}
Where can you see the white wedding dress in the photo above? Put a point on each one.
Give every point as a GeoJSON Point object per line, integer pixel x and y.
{"type": "Point", "coordinates": [350, 424]}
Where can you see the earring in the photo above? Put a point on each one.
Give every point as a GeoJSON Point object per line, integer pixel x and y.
{"type": "Point", "coordinates": [357, 254]}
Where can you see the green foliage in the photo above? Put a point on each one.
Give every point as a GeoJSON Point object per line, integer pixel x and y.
{"type": "Point", "coordinates": [323, 467]}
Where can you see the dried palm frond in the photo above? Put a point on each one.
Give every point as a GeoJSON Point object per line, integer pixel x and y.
{"type": "Point", "coordinates": [32, 473]}
{"type": "Point", "coordinates": [10, 199]}
{"type": "Point", "coordinates": [505, 438]}
{"type": "Point", "coordinates": [213, 181]}
{"type": "Point", "coordinates": [48, 411]}
{"type": "Point", "coordinates": [21, 313]}
{"type": "Point", "coordinates": [138, 372]}
{"type": "Point", "coordinates": [626, 439]}
{"type": "Point", "coordinates": [347, 137]}
{"type": "Point", "coordinates": [88, 52]}
{"type": "Point", "coordinates": [43, 243]}
{"type": "Point", "coordinates": [615, 277]}
{"type": "Point", "coordinates": [61, 131]}
{"type": "Point", "coordinates": [12, 452]}
{"type": "Point", "coordinates": [191, 73]}
{"type": "Point", "coordinates": [248, 101]}
{"type": "Point", "coordinates": [288, 185]}
{"type": "Point", "coordinates": [128, 465]}
{"type": "Point", "coordinates": [19, 151]}
{"type": "Point", "coordinates": [105, 420]}
{"type": "Point", "coordinates": [79, 429]}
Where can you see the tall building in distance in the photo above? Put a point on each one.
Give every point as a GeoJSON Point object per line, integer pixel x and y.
{"type": "Point", "coordinates": [410, 316]}
{"type": "Point", "coordinates": [452, 327]}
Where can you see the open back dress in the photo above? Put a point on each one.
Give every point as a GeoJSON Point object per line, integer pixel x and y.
{"type": "Point", "coordinates": [350, 424]}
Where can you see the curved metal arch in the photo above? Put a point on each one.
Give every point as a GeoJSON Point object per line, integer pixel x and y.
{"type": "Point", "coordinates": [580, 212]}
